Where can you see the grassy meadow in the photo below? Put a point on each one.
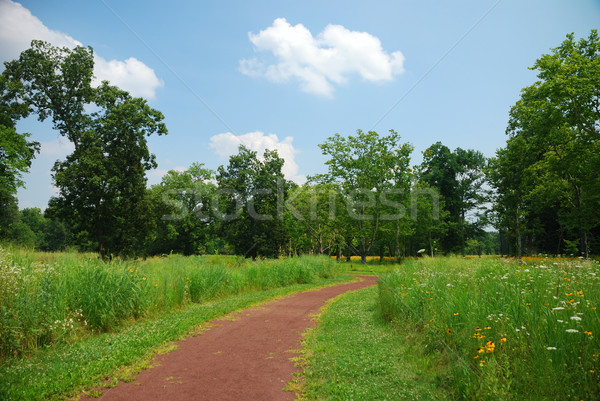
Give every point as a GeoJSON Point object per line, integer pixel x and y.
{"type": "Point", "coordinates": [499, 329]}
{"type": "Point", "coordinates": [52, 298]}
{"type": "Point", "coordinates": [434, 328]}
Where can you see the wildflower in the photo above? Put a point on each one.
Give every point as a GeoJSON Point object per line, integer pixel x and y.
{"type": "Point", "coordinates": [490, 346]}
{"type": "Point", "coordinates": [480, 350]}
{"type": "Point", "coordinates": [575, 318]}
{"type": "Point", "coordinates": [595, 355]}
{"type": "Point", "coordinates": [143, 278]}
{"type": "Point", "coordinates": [477, 328]}
{"type": "Point", "coordinates": [449, 331]}
{"type": "Point", "coordinates": [589, 333]}
{"type": "Point", "coordinates": [592, 371]}
{"type": "Point", "coordinates": [572, 331]}
{"type": "Point", "coordinates": [558, 308]}
{"type": "Point", "coordinates": [503, 339]}
{"type": "Point", "coordinates": [487, 328]}
{"type": "Point", "coordinates": [551, 348]}
{"type": "Point", "coordinates": [455, 313]}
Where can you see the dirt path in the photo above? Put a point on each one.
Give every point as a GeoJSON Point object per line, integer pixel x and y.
{"type": "Point", "coordinates": [243, 359]}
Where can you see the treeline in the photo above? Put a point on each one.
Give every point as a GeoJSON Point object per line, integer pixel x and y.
{"type": "Point", "coordinates": [541, 192]}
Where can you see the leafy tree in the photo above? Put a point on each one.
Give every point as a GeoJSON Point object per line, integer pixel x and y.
{"type": "Point", "coordinates": [102, 184]}
{"type": "Point", "coordinates": [250, 203]}
{"type": "Point", "coordinates": [366, 167]}
{"type": "Point", "coordinates": [558, 120]}
{"type": "Point", "coordinates": [181, 205]}
{"type": "Point", "coordinates": [459, 178]}
{"type": "Point", "coordinates": [16, 152]}
{"type": "Point", "coordinates": [506, 174]}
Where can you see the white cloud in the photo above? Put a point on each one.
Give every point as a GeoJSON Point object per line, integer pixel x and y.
{"type": "Point", "coordinates": [132, 75]}
{"type": "Point", "coordinates": [58, 148]}
{"type": "Point", "coordinates": [18, 27]}
{"type": "Point", "coordinates": [322, 61]}
{"type": "Point", "coordinates": [155, 176]}
{"type": "Point", "coordinates": [227, 144]}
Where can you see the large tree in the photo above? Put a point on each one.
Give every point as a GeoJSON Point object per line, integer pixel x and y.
{"type": "Point", "coordinates": [16, 151]}
{"type": "Point", "coordinates": [459, 178]}
{"type": "Point", "coordinates": [102, 183]}
{"type": "Point", "coordinates": [181, 206]}
{"type": "Point", "coordinates": [371, 171]}
{"type": "Point", "coordinates": [249, 203]}
{"type": "Point", "coordinates": [557, 119]}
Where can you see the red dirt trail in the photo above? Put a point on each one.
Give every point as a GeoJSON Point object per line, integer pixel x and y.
{"type": "Point", "coordinates": [243, 359]}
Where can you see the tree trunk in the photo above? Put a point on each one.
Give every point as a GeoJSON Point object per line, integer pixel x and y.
{"type": "Point", "coordinates": [397, 241]}
{"type": "Point", "coordinates": [462, 233]}
{"type": "Point", "coordinates": [430, 244]}
{"type": "Point", "coordinates": [518, 232]}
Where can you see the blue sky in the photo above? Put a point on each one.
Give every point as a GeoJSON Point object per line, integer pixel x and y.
{"type": "Point", "coordinates": [290, 74]}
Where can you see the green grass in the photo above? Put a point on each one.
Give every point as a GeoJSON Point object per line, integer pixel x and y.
{"type": "Point", "coordinates": [502, 330]}
{"type": "Point", "coordinates": [68, 369]}
{"type": "Point", "coordinates": [354, 354]}
{"type": "Point", "coordinates": [50, 299]}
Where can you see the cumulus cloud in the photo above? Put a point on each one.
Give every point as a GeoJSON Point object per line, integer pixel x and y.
{"type": "Point", "coordinates": [322, 61]}
{"type": "Point", "coordinates": [155, 176]}
{"type": "Point", "coordinates": [227, 144]}
{"type": "Point", "coordinates": [18, 27]}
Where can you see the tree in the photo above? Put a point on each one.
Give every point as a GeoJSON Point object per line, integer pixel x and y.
{"type": "Point", "coordinates": [459, 178]}
{"type": "Point", "coordinates": [371, 171]}
{"type": "Point", "coordinates": [16, 152]}
{"type": "Point", "coordinates": [250, 203]}
{"type": "Point", "coordinates": [558, 119]}
{"type": "Point", "coordinates": [182, 215]}
{"type": "Point", "coordinates": [102, 183]}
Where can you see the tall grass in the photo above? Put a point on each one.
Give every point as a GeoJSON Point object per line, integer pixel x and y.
{"type": "Point", "coordinates": [47, 298]}
{"type": "Point", "coordinates": [503, 330]}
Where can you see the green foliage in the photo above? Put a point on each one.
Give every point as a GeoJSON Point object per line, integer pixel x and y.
{"type": "Point", "coordinates": [249, 208]}
{"type": "Point", "coordinates": [459, 177]}
{"type": "Point", "coordinates": [542, 178]}
{"type": "Point", "coordinates": [181, 207]}
{"type": "Point", "coordinates": [102, 184]}
{"type": "Point", "coordinates": [500, 328]}
{"type": "Point", "coordinates": [372, 172]}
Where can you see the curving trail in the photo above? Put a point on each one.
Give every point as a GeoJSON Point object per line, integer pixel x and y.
{"type": "Point", "coordinates": [247, 358]}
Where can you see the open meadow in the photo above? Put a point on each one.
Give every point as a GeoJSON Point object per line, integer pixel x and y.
{"type": "Point", "coordinates": [499, 329]}
{"type": "Point", "coordinates": [69, 321]}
